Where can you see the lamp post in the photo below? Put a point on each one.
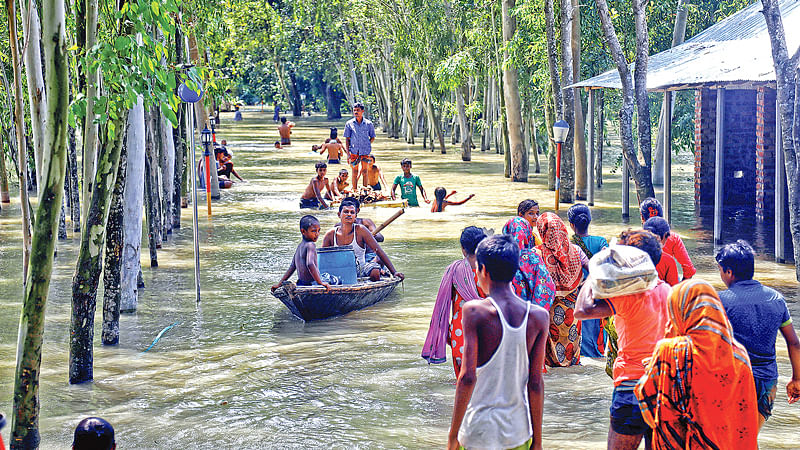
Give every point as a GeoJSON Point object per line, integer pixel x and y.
{"type": "Point", "coordinates": [213, 131]}
{"type": "Point", "coordinates": [560, 131]}
{"type": "Point", "coordinates": [205, 138]}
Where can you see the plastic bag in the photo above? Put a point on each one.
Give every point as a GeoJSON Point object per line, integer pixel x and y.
{"type": "Point", "coordinates": [621, 270]}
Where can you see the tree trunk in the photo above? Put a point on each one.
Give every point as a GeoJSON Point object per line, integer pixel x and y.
{"type": "Point", "coordinates": [640, 82]}
{"type": "Point", "coordinates": [25, 419]}
{"type": "Point", "coordinates": [180, 167]}
{"type": "Point", "coordinates": [567, 155]}
{"type": "Point", "coordinates": [518, 155]}
{"type": "Point", "coordinates": [581, 171]}
{"type": "Point", "coordinates": [552, 56]}
{"type": "Point", "coordinates": [436, 122]}
{"type": "Point", "coordinates": [549, 120]}
{"type": "Point", "coordinates": [74, 189]}
{"type": "Point", "coordinates": [297, 102]}
{"type": "Point", "coordinates": [678, 35]}
{"type": "Point", "coordinates": [168, 175]}
{"type": "Point", "coordinates": [133, 209]}
{"type": "Point", "coordinates": [19, 127]}
{"type": "Point", "coordinates": [112, 264]}
{"type": "Point", "coordinates": [282, 82]}
{"type": "Point", "coordinates": [466, 139]}
{"type": "Point", "coordinates": [90, 257]}
{"type": "Point", "coordinates": [535, 144]}
{"type": "Point", "coordinates": [641, 173]}
{"type": "Point", "coordinates": [150, 192]}
{"type": "Point", "coordinates": [788, 84]}
{"type": "Point", "coordinates": [37, 98]}
{"type": "Point", "coordinates": [5, 196]}
{"type": "Point", "coordinates": [89, 134]}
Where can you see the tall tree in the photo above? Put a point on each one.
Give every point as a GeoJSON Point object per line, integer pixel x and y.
{"type": "Point", "coordinates": [519, 155]}
{"type": "Point", "coordinates": [568, 109]}
{"type": "Point", "coordinates": [25, 420]}
{"type": "Point", "coordinates": [641, 172]}
{"type": "Point", "coordinates": [31, 27]}
{"type": "Point", "coordinates": [788, 84]}
{"type": "Point", "coordinates": [581, 173]}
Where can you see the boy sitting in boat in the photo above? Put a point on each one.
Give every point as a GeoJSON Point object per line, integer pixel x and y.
{"type": "Point", "coordinates": [305, 257]}
{"type": "Point", "coordinates": [312, 197]}
{"type": "Point", "coordinates": [360, 238]}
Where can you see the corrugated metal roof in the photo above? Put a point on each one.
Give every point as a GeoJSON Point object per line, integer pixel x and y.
{"type": "Point", "coordinates": [734, 51]}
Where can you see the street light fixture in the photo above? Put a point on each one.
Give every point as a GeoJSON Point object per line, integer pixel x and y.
{"type": "Point", "coordinates": [560, 132]}
{"type": "Point", "coordinates": [205, 138]}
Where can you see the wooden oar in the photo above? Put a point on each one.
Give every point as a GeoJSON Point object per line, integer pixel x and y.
{"type": "Point", "coordinates": [388, 221]}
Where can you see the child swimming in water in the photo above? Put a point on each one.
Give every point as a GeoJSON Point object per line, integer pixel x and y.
{"type": "Point", "coordinates": [440, 201]}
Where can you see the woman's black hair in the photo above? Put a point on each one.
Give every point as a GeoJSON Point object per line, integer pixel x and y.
{"type": "Point", "coordinates": [525, 206]}
{"type": "Point", "coordinates": [334, 133]}
{"type": "Point", "coordinates": [580, 216]}
{"type": "Point", "coordinates": [651, 207]}
{"type": "Point", "coordinates": [439, 193]}
{"type": "Point", "coordinates": [658, 226]}
{"type": "Point", "coordinates": [470, 238]}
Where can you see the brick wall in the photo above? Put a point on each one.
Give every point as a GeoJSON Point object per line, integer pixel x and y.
{"type": "Point", "coordinates": [765, 153]}
{"type": "Point", "coordinates": [705, 148]}
{"type": "Point", "coordinates": [740, 145]}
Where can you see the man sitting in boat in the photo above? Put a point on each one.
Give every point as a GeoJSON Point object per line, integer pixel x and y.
{"type": "Point", "coordinates": [360, 238]}
{"type": "Point", "coordinates": [369, 255]}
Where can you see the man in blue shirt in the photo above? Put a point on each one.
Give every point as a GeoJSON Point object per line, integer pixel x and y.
{"type": "Point", "coordinates": [359, 133]}
{"type": "Point", "coordinates": [756, 313]}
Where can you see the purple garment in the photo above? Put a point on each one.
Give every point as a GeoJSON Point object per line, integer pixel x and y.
{"type": "Point", "coordinates": [459, 274]}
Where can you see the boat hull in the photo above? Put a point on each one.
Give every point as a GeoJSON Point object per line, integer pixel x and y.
{"type": "Point", "coordinates": [314, 303]}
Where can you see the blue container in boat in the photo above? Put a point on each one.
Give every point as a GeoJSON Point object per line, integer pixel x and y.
{"type": "Point", "coordinates": [339, 261]}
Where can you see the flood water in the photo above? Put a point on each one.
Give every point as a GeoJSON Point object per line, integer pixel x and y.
{"type": "Point", "coordinates": [239, 371]}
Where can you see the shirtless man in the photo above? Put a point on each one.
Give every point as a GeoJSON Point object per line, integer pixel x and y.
{"type": "Point", "coordinates": [351, 233]}
{"type": "Point", "coordinates": [374, 175]}
{"type": "Point", "coordinates": [312, 197]}
{"type": "Point", "coordinates": [334, 148]}
{"type": "Point", "coordinates": [305, 257]}
{"type": "Point", "coordinates": [285, 130]}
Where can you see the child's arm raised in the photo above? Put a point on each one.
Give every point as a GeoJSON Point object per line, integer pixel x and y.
{"type": "Point", "coordinates": [462, 201]}
{"type": "Point", "coordinates": [286, 276]}
{"type": "Point", "coordinates": [311, 263]}
{"type": "Point", "coordinates": [538, 326]}
{"type": "Point", "coordinates": [793, 345]}
{"type": "Point", "coordinates": [471, 320]}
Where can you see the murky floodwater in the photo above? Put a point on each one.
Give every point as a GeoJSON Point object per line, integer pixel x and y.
{"type": "Point", "coordinates": [239, 371]}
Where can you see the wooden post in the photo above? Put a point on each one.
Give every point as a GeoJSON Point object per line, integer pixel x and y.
{"type": "Point", "coordinates": [719, 199]}
{"type": "Point", "coordinates": [668, 157]}
{"type": "Point", "coordinates": [626, 192]}
{"type": "Point", "coordinates": [780, 185]}
{"type": "Point", "coordinates": [590, 164]}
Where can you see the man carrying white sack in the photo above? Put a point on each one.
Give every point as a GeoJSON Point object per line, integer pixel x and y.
{"type": "Point", "coordinates": [623, 282]}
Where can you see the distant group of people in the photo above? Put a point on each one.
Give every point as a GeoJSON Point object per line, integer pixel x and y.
{"type": "Point", "coordinates": [222, 163]}
{"type": "Point", "coordinates": [691, 368]}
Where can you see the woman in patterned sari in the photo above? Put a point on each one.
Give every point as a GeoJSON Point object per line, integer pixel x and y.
{"type": "Point", "coordinates": [564, 261]}
{"type": "Point", "coordinates": [698, 389]}
{"type": "Point", "coordinates": [532, 281]}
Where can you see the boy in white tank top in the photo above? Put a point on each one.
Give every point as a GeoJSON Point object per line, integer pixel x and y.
{"type": "Point", "coordinates": [500, 390]}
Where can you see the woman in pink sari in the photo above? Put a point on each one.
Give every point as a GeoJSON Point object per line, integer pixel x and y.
{"type": "Point", "coordinates": [458, 286]}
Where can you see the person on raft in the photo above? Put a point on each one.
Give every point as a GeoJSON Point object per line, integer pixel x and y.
{"type": "Point", "coordinates": [441, 201]}
{"type": "Point", "coordinates": [305, 257]}
{"type": "Point", "coordinates": [312, 197]}
{"type": "Point", "coordinates": [360, 238]}
{"type": "Point", "coordinates": [375, 175]}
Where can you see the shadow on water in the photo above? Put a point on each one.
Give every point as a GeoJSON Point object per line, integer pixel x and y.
{"type": "Point", "coordinates": [239, 371]}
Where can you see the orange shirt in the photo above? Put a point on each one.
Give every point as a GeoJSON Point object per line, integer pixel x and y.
{"type": "Point", "coordinates": [641, 321]}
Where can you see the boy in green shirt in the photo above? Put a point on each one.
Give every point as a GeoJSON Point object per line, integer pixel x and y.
{"type": "Point", "coordinates": [408, 183]}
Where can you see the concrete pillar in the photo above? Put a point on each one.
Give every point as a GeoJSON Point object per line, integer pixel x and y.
{"type": "Point", "coordinates": [780, 186]}
{"type": "Point", "coordinates": [668, 157]}
{"type": "Point", "coordinates": [719, 199]}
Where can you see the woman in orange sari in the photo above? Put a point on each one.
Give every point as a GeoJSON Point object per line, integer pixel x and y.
{"type": "Point", "coordinates": [564, 261]}
{"type": "Point", "coordinates": [698, 389]}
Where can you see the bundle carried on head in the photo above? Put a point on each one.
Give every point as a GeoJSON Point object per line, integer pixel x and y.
{"type": "Point", "coordinates": [621, 270]}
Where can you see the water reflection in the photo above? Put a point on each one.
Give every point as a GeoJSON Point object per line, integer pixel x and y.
{"type": "Point", "coordinates": [240, 372]}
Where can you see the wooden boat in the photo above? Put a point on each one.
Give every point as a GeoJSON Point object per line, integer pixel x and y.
{"type": "Point", "coordinates": [313, 303]}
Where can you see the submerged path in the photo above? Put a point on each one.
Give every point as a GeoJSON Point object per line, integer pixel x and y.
{"type": "Point", "coordinates": [240, 372]}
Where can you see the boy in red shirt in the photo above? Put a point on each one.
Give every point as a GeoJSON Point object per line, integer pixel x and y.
{"type": "Point", "coordinates": [673, 245]}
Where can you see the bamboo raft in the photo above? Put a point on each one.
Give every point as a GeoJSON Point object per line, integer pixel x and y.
{"type": "Point", "coordinates": [313, 303]}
